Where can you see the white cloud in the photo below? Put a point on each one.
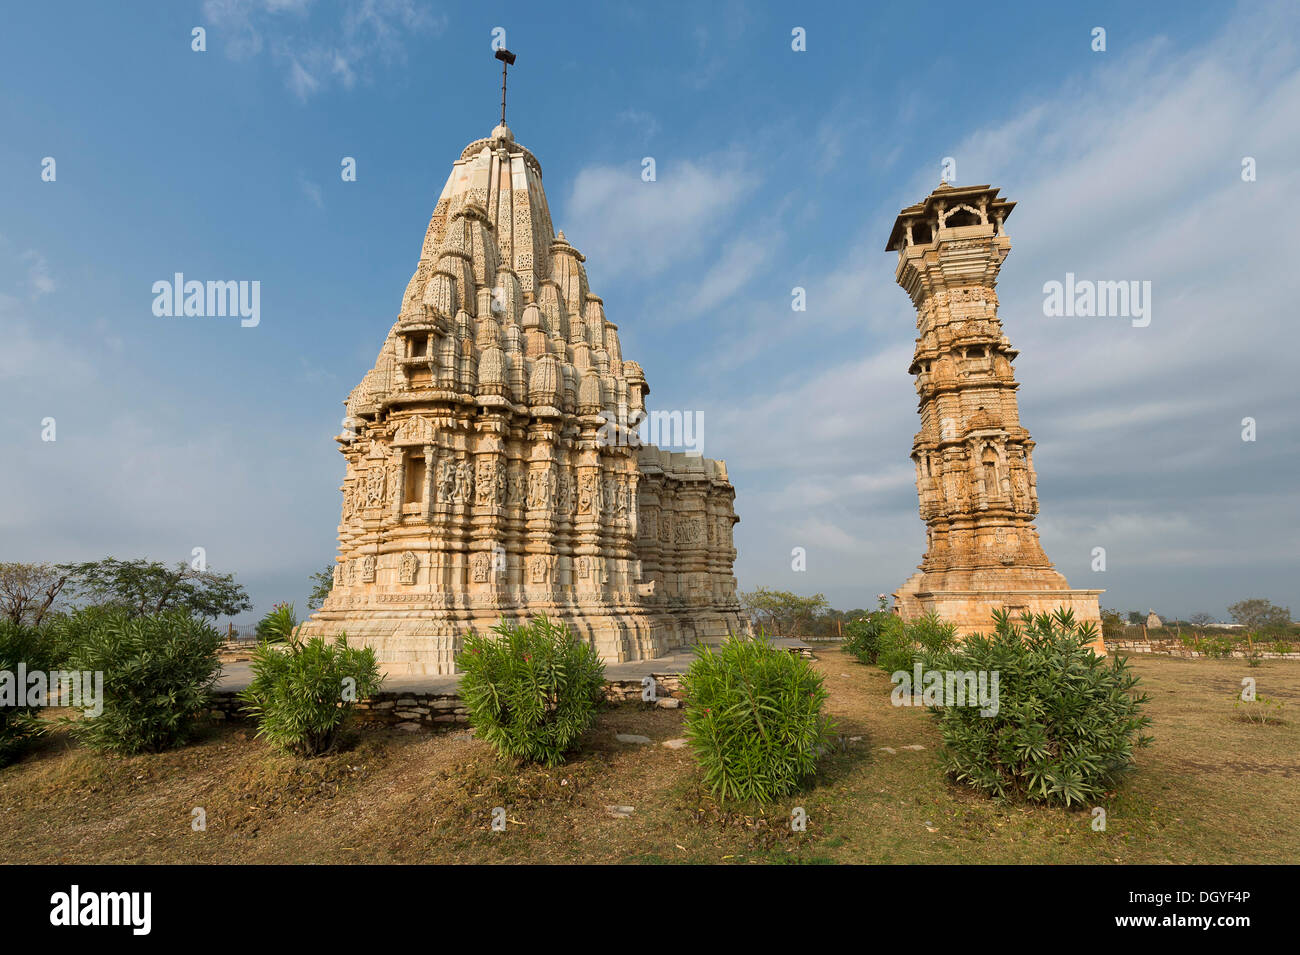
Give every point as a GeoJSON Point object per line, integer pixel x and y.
{"type": "Point", "coordinates": [316, 55]}
{"type": "Point", "coordinates": [648, 227]}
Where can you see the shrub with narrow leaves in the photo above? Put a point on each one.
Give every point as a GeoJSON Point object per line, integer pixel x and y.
{"type": "Point", "coordinates": [31, 648]}
{"type": "Point", "coordinates": [864, 638]}
{"type": "Point", "coordinates": [883, 638]}
{"type": "Point", "coordinates": [303, 690]}
{"type": "Point", "coordinates": [278, 625]}
{"type": "Point", "coordinates": [1067, 721]}
{"type": "Point", "coordinates": [158, 671]}
{"type": "Point", "coordinates": [754, 718]}
{"type": "Point", "coordinates": [532, 690]}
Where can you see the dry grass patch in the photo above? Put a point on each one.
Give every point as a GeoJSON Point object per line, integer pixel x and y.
{"type": "Point", "coordinates": [1210, 789]}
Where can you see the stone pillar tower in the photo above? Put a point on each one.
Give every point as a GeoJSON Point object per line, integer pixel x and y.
{"type": "Point", "coordinates": [974, 461]}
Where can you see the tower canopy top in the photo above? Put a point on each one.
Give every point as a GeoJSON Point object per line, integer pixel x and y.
{"type": "Point", "coordinates": [947, 197]}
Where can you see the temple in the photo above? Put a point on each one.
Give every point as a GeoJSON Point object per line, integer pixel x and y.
{"type": "Point", "coordinates": [974, 460]}
{"type": "Point", "coordinates": [492, 465]}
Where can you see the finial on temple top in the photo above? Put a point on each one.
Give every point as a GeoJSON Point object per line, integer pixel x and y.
{"type": "Point", "coordinates": [507, 60]}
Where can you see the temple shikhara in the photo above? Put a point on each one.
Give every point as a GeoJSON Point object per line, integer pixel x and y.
{"type": "Point", "coordinates": [492, 469]}
{"type": "Point", "coordinates": [974, 460]}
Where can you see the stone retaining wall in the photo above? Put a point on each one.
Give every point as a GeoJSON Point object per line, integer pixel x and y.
{"type": "Point", "coordinates": [410, 710]}
{"type": "Point", "coordinates": [1174, 648]}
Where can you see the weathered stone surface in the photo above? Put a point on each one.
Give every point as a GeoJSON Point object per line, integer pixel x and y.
{"type": "Point", "coordinates": [620, 812]}
{"type": "Point", "coordinates": [974, 461]}
{"type": "Point", "coordinates": [631, 738]}
{"type": "Point", "coordinates": [492, 466]}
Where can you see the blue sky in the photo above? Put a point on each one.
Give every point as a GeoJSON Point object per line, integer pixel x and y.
{"type": "Point", "coordinates": [775, 169]}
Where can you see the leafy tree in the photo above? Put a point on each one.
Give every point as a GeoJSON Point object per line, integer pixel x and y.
{"type": "Point", "coordinates": [782, 612]}
{"type": "Point", "coordinates": [1200, 618]}
{"type": "Point", "coordinates": [143, 587]}
{"type": "Point", "coordinates": [29, 591]}
{"type": "Point", "coordinates": [1112, 623]}
{"type": "Point", "coordinates": [322, 582]}
{"type": "Point", "coordinates": [1260, 614]}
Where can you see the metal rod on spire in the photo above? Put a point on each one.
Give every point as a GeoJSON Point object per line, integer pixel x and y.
{"type": "Point", "coordinates": [507, 60]}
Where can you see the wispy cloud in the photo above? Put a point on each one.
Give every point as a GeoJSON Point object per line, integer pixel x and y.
{"type": "Point", "coordinates": [648, 227]}
{"type": "Point", "coordinates": [315, 53]}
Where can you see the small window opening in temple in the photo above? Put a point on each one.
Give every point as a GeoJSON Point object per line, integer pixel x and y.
{"type": "Point", "coordinates": [414, 479]}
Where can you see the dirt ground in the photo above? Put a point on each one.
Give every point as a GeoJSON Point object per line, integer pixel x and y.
{"type": "Point", "coordinates": [1212, 789]}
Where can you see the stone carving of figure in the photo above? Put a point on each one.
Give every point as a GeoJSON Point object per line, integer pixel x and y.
{"type": "Point", "coordinates": [621, 506]}
{"type": "Point", "coordinates": [514, 488]}
{"type": "Point", "coordinates": [499, 484]}
{"type": "Point", "coordinates": [479, 566]}
{"type": "Point", "coordinates": [538, 489]}
{"type": "Point", "coordinates": [464, 483]}
{"type": "Point", "coordinates": [562, 493]}
{"type": "Point", "coordinates": [368, 569]}
{"type": "Point", "coordinates": [608, 498]}
{"type": "Point", "coordinates": [446, 481]}
{"type": "Point", "coordinates": [1021, 485]}
{"type": "Point", "coordinates": [485, 484]}
{"type": "Point", "coordinates": [375, 486]}
{"type": "Point", "coordinates": [394, 485]}
{"type": "Point", "coordinates": [410, 564]}
{"type": "Point", "coordinates": [589, 494]}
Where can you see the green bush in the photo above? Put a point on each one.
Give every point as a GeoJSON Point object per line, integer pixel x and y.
{"type": "Point", "coordinates": [864, 636]}
{"type": "Point", "coordinates": [30, 646]}
{"type": "Point", "coordinates": [278, 625]}
{"type": "Point", "coordinates": [158, 671]}
{"type": "Point", "coordinates": [885, 640]}
{"type": "Point", "coordinates": [1067, 721]}
{"type": "Point", "coordinates": [303, 690]}
{"type": "Point", "coordinates": [754, 718]}
{"type": "Point", "coordinates": [1214, 647]}
{"type": "Point", "coordinates": [532, 690]}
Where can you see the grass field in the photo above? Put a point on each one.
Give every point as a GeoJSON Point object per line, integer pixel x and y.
{"type": "Point", "coordinates": [1211, 789]}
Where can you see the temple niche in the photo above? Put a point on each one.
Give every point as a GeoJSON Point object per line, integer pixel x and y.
{"type": "Point", "coordinates": [489, 469]}
{"type": "Point", "coordinates": [974, 461]}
